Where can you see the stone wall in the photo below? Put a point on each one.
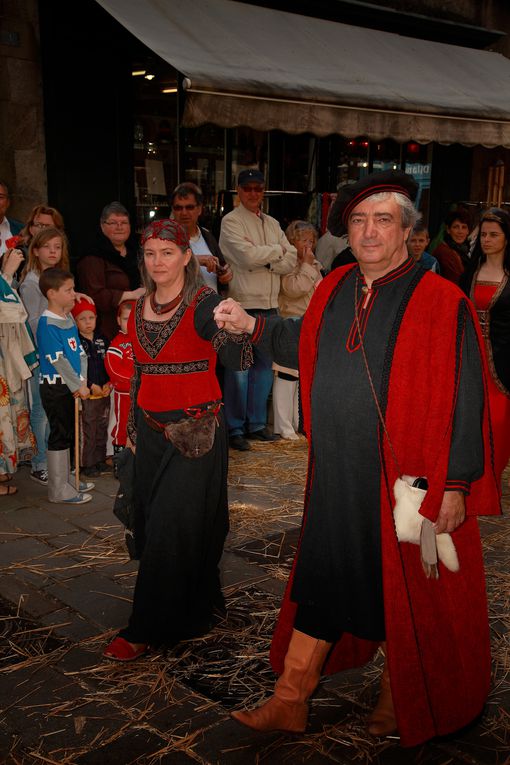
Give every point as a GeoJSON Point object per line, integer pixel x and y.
{"type": "Point", "coordinates": [22, 149]}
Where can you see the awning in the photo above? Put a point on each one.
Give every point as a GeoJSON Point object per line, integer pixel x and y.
{"type": "Point", "coordinates": [246, 65]}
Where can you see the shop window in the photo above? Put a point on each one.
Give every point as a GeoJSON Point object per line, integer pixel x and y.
{"type": "Point", "coordinates": [352, 159]}
{"type": "Point", "coordinates": [204, 164]}
{"type": "Point", "coordinates": [154, 139]}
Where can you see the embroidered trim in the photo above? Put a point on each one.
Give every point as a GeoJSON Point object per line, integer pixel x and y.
{"type": "Point", "coordinates": [164, 329]}
{"type": "Point", "coordinates": [223, 337]}
{"type": "Point", "coordinates": [133, 395]}
{"type": "Point", "coordinates": [202, 294]}
{"type": "Point", "coordinates": [176, 368]}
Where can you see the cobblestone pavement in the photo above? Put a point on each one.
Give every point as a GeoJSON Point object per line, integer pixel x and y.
{"type": "Point", "coordinates": [66, 586]}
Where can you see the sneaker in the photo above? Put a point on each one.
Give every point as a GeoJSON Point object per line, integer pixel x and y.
{"type": "Point", "coordinates": [87, 485]}
{"type": "Point", "coordinates": [240, 443]}
{"type": "Point", "coordinates": [78, 499]}
{"type": "Point", "coordinates": [263, 435]}
{"type": "Point", "coordinates": [40, 476]}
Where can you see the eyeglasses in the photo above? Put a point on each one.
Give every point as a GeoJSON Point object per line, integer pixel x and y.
{"type": "Point", "coordinates": [179, 208]}
{"type": "Point", "coordinates": [258, 189]}
{"type": "Point", "coordinates": [42, 225]}
{"type": "Point", "coordinates": [118, 223]}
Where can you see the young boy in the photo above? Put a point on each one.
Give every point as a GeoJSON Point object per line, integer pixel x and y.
{"type": "Point", "coordinates": [62, 377]}
{"type": "Point", "coordinates": [96, 409]}
{"type": "Point", "coordinates": [417, 244]}
{"type": "Point", "coordinates": [120, 368]}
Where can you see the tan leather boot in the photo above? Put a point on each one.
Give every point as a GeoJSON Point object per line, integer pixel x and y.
{"type": "Point", "coordinates": [382, 721]}
{"type": "Point", "coordinates": [287, 709]}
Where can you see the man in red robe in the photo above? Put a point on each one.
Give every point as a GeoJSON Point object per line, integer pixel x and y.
{"type": "Point", "coordinates": [392, 385]}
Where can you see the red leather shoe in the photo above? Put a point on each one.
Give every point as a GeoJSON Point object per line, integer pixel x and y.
{"type": "Point", "coordinates": [121, 650]}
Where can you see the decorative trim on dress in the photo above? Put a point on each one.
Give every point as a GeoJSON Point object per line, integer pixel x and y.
{"type": "Point", "coordinates": [175, 368]}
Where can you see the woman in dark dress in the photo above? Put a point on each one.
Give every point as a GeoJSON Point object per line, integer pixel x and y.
{"type": "Point", "coordinates": [108, 273]}
{"type": "Point", "coordinates": [487, 284]}
{"type": "Point", "coordinates": [181, 447]}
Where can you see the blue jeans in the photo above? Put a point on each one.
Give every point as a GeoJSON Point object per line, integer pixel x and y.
{"type": "Point", "coordinates": [246, 393]}
{"type": "Point", "coordinates": [39, 424]}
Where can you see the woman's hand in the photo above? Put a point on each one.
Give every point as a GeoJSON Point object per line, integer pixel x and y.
{"type": "Point", "coordinates": [132, 294]}
{"type": "Point", "coordinates": [11, 262]}
{"type": "Point", "coordinates": [230, 316]}
{"type": "Point", "coordinates": [130, 445]}
{"type": "Point", "coordinates": [83, 296]}
{"type": "Point", "coordinates": [308, 256]}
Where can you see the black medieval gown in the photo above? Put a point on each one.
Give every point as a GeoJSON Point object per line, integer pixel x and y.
{"type": "Point", "coordinates": [339, 559]}
{"type": "Point", "coordinates": [181, 505]}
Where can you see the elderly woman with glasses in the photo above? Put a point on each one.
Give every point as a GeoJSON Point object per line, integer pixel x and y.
{"type": "Point", "coordinates": [180, 463]}
{"type": "Point", "coordinates": [108, 273]}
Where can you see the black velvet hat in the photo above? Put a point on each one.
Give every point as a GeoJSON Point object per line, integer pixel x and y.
{"type": "Point", "coordinates": [352, 194]}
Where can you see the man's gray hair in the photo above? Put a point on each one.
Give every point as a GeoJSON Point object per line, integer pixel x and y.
{"type": "Point", "coordinates": [114, 208]}
{"type": "Point", "coordinates": [409, 213]}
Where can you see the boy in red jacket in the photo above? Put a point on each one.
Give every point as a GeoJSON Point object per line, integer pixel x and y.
{"type": "Point", "coordinates": [120, 368]}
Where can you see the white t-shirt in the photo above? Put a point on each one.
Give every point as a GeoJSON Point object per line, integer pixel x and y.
{"type": "Point", "coordinates": [199, 247]}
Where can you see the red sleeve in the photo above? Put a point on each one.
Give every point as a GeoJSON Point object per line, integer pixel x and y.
{"type": "Point", "coordinates": [119, 363]}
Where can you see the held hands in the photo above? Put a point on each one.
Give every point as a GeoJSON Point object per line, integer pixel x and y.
{"type": "Point", "coordinates": [230, 316]}
{"type": "Point", "coordinates": [451, 513]}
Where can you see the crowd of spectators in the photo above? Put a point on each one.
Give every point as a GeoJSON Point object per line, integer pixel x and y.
{"type": "Point", "coordinates": [267, 271]}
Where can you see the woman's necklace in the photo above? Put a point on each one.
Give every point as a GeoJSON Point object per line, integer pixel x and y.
{"type": "Point", "coordinates": [160, 308]}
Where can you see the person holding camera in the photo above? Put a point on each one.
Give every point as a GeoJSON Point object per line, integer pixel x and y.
{"type": "Point", "coordinates": [187, 200]}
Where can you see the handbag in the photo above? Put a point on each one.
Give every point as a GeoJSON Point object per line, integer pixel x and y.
{"type": "Point", "coordinates": [410, 525]}
{"type": "Point", "coordinates": [194, 435]}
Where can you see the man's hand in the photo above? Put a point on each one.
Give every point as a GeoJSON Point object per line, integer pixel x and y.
{"type": "Point", "coordinates": [452, 512]}
{"type": "Point", "coordinates": [211, 262]}
{"type": "Point", "coordinates": [230, 316]}
{"type": "Point", "coordinates": [225, 274]}
{"type": "Point", "coordinates": [96, 390]}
